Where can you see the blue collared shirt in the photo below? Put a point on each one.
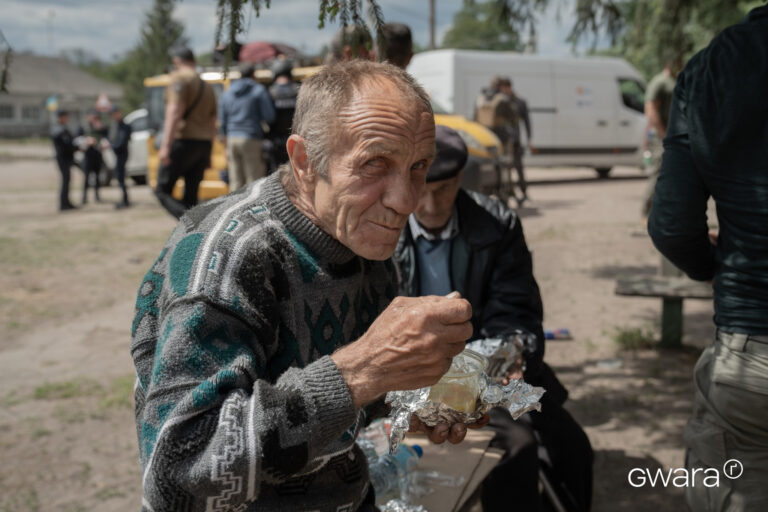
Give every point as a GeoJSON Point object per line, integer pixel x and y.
{"type": "Point", "coordinates": [433, 253]}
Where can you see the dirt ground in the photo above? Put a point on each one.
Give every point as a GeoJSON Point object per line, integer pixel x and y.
{"type": "Point", "coordinates": [67, 436]}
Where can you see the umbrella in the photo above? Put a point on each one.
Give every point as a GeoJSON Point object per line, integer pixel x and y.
{"type": "Point", "coordinates": [261, 51]}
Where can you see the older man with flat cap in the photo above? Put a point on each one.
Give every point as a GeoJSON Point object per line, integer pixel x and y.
{"type": "Point", "coordinates": [459, 240]}
{"type": "Point", "coordinates": [267, 331]}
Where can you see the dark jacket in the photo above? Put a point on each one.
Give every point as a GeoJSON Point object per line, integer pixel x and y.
{"type": "Point", "coordinates": [284, 96]}
{"type": "Point", "coordinates": [491, 267]}
{"type": "Point", "coordinates": [242, 109]}
{"type": "Point", "coordinates": [717, 146]}
{"type": "Point", "coordinates": [62, 142]}
{"type": "Point", "coordinates": [122, 137]}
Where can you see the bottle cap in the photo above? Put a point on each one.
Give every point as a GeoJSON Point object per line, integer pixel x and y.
{"type": "Point", "coordinates": [418, 450]}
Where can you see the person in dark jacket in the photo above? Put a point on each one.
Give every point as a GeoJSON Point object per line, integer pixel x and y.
{"type": "Point", "coordinates": [119, 144]}
{"type": "Point", "coordinates": [458, 240]}
{"type": "Point", "coordinates": [65, 153]}
{"type": "Point", "coordinates": [517, 147]}
{"type": "Point", "coordinates": [283, 92]}
{"type": "Point", "coordinates": [92, 135]}
{"type": "Point", "coordinates": [717, 146]}
{"type": "Point", "coordinates": [241, 111]}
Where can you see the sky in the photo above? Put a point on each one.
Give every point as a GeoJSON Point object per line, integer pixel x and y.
{"type": "Point", "coordinates": [111, 28]}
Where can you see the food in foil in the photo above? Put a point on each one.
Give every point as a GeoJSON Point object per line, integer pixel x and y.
{"type": "Point", "coordinates": [451, 402]}
{"type": "Point", "coordinates": [459, 388]}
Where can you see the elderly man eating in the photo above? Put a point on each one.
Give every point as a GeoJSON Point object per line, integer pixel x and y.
{"type": "Point", "coordinates": [267, 332]}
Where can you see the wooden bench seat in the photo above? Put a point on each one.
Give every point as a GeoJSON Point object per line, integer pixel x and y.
{"type": "Point", "coordinates": [672, 290]}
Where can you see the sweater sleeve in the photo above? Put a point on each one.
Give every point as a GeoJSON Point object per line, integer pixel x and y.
{"type": "Point", "coordinates": [677, 222]}
{"type": "Point", "coordinates": [213, 427]}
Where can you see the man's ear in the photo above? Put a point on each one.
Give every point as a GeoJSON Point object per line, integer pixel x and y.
{"type": "Point", "coordinates": [297, 152]}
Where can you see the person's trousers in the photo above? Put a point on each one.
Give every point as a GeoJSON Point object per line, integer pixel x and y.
{"type": "Point", "coordinates": [121, 159]}
{"type": "Point", "coordinates": [65, 168]}
{"type": "Point", "coordinates": [728, 430]}
{"type": "Point", "coordinates": [517, 163]}
{"type": "Point", "coordinates": [514, 483]}
{"type": "Point", "coordinates": [245, 161]}
{"type": "Point", "coordinates": [189, 159]}
{"type": "Point", "coordinates": [91, 166]}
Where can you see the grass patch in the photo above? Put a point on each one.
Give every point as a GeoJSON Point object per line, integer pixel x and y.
{"type": "Point", "coordinates": [119, 394]}
{"type": "Point", "coordinates": [10, 399]}
{"type": "Point", "coordinates": [634, 338]}
{"type": "Point", "coordinates": [40, 432]}
{"type": "Point", "coordinates": [25, 500]}
{"type": "Point", "coordinates": [69, 389]}
{"type": "Point", "coordinates": [106, 493]}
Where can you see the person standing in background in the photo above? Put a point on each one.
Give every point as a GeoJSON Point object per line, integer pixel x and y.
{"type": "Point", "coordinates": [188, 132]}
{"type": "Point", "coordinates": [658, 100]}
{"type": "Point", "coordinates": [93, 134]}
{"type": "Point", "coordinates": [65, 153]}
{"type": "Point", "coordinates": [283, 92]}
{"type": "Point", "coordinates": [505, 86]}
{"type": "Point", "coordinates": [119, 144]}
{"type": "Point", "coordinates": [242, 110]}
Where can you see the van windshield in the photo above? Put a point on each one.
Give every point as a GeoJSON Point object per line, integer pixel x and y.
{"type": "Point", "coordinates": [632, 94]}
{"type": "Point", "coordinates": [437, 108]}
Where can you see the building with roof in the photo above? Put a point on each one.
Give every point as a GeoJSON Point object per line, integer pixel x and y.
{"type": "Point", "coordinates": [34, 81]}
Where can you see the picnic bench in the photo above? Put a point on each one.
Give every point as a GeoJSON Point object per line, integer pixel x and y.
{"type": "Point", "coordinates": [672, 287]}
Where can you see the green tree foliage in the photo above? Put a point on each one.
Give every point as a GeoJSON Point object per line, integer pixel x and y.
{"type": "Point", "coordinates": [160, 33]}
{"type": "Point", "coordinates": [648, 33]}
{"type": "Point", "coordinates": [660, 31]}
{"type": "Point", "coordinates": [478, 26]}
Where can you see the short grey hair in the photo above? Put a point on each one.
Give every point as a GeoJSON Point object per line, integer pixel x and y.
{"type": "Point", "coordinates": [324, 94]}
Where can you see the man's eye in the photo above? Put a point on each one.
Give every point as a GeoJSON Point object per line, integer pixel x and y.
{"type": "Point", "coordinates": [419, 166]}
{"type": "Point", "coordinates": [374, 162]}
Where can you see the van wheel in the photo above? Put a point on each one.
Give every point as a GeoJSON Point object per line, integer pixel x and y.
{"type": "Point", "coordinates": [602, 172]}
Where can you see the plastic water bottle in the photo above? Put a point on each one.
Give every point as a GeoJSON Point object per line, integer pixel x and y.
{"type": "Point", "coordinates": [389, 472]}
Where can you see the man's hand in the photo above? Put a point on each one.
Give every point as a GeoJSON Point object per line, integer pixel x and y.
{"type": "Point", "coordinates": [409, 346]}
{"type": "Point", "coordinates": [515, 372]}
{"type": "Point", "coordinates": [164, 155]}
{"type": "Point", "coordinates": [443, 431]}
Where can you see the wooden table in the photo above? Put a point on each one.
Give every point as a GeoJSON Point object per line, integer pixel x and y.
{"type": "Point", "coordinates": [472, 459]}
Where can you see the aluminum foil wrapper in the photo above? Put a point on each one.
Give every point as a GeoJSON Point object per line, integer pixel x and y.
{"type": "Point", "coordinates": [502, 353]}
{"type": "Point", "coordinates": [518, 397]}
{"type": "Point", "coordinates": [401, 506]}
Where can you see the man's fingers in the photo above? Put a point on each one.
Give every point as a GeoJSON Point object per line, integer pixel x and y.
{"type": "Point", "coordinates": [457, 433]}
{"type": "Point", "coordinates": [453, 311]}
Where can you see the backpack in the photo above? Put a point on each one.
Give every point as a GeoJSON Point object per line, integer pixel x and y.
{"type": "Point", "coordinates": [496, 111]}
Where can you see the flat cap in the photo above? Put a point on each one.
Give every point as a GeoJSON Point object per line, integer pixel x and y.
{"type": "Point", "coordinates": [451, 155]}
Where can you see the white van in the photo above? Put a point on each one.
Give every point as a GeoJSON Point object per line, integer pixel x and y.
{"type": "Point", "coordinates": [585, 111]}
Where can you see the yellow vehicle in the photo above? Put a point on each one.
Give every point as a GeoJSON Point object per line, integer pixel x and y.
{"type": "Point", "coordinates": [484, 147]}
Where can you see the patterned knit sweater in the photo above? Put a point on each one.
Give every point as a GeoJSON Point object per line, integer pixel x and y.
{"type": "Point", "coordinates": [238, 405]}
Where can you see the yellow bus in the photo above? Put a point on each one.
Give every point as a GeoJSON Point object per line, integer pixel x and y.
{"type": "Point", "coordinates": [480, 173]}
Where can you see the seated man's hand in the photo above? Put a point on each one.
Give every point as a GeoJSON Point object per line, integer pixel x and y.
{"type": "Point", "coordinates": [515, 372]}
{"type": "Point", "coordinates": [409, 346]}
{"type": "Point", "coordinates": [453, 433]}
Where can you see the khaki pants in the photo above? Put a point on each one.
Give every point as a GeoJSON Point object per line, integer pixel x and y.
{"type": "Point", "coordinates": [730, 421]}
{"type": "Point", "coordinates": [244, 161]}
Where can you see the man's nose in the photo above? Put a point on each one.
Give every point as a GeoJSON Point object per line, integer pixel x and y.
{"type": "Point", "coordinates": [402, 193]}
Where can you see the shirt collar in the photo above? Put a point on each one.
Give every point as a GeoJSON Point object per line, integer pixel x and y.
{"type": "Point", "coordinates": [450, 230]}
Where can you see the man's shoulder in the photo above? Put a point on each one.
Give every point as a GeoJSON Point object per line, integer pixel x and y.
{"type": "Point", "coordinates": [220, 241]}
{"type": "Point", "coordinates": [478, 210]}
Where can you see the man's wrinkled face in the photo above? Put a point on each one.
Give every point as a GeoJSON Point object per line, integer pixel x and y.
{"type": "Point", "coordinates": [436, 203]}
{"type": "Point", "coordinates": [377, 170]}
